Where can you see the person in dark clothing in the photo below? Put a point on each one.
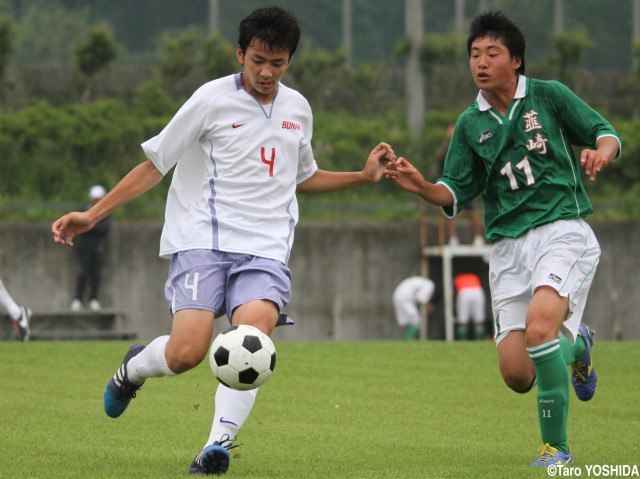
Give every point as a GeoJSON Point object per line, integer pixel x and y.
{"type": "Point", "coordinates": [90, 251]}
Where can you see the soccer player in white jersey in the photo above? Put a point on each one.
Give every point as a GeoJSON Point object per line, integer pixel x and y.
{"type": "Point", "coordinates": [513, 146]}
{"type": "Point", "coordinates": [241, 149]}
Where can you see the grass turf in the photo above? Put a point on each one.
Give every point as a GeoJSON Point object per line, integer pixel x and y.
{"type": "Point", "coordinates": [331, 410]}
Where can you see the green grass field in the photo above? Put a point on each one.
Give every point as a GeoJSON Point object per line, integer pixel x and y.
{"type": "Point", "coordinates": [331, 410]}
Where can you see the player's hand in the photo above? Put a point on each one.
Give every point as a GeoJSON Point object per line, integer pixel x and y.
{"type": "Point", "coordinates": [70, 225]}
{"type": "Point", "coordinates": [593, 162]}
{"type": "Point", "coordinates": [379, 158]}
{"type": "Point", "coordinates": [406, 176]}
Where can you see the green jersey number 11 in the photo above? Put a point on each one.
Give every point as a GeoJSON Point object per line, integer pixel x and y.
{"type": "Point", "coordinates": [522, 165]}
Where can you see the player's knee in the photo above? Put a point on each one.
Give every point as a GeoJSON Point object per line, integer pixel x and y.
{"type": "Point", "coordinates": [518, 382]}
{"type": "Point", "coordinates": [518, 372]}
{"type": "Point", "coordinates": [184, 359]}
{"type": "Point", "coordinates": [538, 332]}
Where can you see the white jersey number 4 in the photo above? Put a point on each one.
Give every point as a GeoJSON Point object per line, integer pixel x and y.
{"type": "Point", "coordinates": [266, 161]}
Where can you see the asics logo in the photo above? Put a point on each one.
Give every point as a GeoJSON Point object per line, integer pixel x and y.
{"type": "Point", "coordinates": [237, 125]}
{"type": "Point", "coordinates": [224, 421]}
{"type": "Point", "coordinates": [487, 135]}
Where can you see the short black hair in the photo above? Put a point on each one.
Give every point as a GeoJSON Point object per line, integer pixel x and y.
{"type": "Point", "coordinates": [274, 27]}
{"type": "Point", "coordinates": [498, 26]}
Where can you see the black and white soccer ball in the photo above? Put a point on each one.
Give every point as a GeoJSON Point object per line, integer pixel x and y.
{"type": "Point", "coordinates": [242, 357]}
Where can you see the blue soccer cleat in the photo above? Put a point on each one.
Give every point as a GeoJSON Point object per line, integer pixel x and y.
{"type": "Point", "coordinates": [550, 456]}
{"type": "Point", "coordinates": [583, 375]}
{"type": "Point", "coordinates": [119, 391]}
{"type": "Point", "coordinates": [213, 459]}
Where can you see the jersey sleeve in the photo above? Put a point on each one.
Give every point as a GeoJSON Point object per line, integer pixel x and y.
{"type": "Point", "coordinates": [306, 161]}
{"type": "Point", "coordinates": [464, 174]}
{"type": "Point", "coordinates": [584, 124]}
{"type": "Point", "coordinates": [181, 133]}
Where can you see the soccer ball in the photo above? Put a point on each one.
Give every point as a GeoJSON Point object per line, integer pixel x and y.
{"type": "Point", "coordinates": [242, 357]}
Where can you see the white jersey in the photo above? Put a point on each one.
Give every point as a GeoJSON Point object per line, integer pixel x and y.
{"type": "Point", "coordinates": [415, 289]}
{"type": "Point", "coordinates": [406, 297]}
{"type": "Point", "coordinates": [237, 166]}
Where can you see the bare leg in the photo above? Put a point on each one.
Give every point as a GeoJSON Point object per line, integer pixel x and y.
{"type": "Point", "coordinates": [515, 364]}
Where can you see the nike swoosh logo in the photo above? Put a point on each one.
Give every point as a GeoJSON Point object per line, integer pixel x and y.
{"type": "Point", "coordinates": [237, 125]}
{"type": "Point", "coordinates": [224, 421]}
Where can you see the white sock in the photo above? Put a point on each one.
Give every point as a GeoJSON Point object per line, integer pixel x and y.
{"type": "Point", "coordinates": [9, 304]}
{"type": "Point", "coordinates": [232, 409]}
{"type": "Point", "coordinates": [150, 363]}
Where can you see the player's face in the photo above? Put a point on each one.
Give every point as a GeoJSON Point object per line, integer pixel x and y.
{"type": "Point", "coordinates": [262, 70]}
{"type": "Point", "coordinates": [492, 66]}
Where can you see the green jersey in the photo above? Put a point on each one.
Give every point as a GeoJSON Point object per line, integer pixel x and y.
{"type": "Point", "coordinates": [523, 163]}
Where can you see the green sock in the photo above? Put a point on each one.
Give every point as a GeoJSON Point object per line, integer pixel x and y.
{"type": "Point", "coordinates": [412, 332]}
{"type": "Point", "coordinates": [478, 331]}
{"type": "Point", "coordinates": [553, 393]}
{"type": "Point", "coordinates": [462, 331]}
{"type": "Point", "coordinates": [568, 351]}
{"type": "Point", "coordinates": [580, 348]}
{"type": "Point", "coordinates": [572, 352]}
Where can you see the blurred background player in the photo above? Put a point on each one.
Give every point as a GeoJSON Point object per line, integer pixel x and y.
{"type": "Point", "coordinates": [19, 314]}
{"type": "Point", "coordinates": [409, 297]}
{"type": "Point", "coordinates": [470, 306]}
{"type": "Point", "coordinates": [468, 208]}
{"type": "Point", "coordinates": [91, 249]}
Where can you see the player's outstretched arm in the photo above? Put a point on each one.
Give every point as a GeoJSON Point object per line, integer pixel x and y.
{"type": "Point", "coordinates": [138, 181]}
{"type": "Point", "coordinates": [407, 177]}
{"type": "Point", "coordinates": [324, 181]}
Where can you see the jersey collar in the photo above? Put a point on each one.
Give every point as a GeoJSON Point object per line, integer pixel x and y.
{"type": "Point", "coordinates": [521, 91]}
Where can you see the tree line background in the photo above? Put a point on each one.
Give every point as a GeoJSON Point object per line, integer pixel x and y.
{"type": "Point", "coordinates": [84, 82]}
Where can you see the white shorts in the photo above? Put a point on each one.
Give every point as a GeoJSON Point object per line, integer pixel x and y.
{"type": "Point", "coordinates": [219, 282]}
{"type": "Point", "coordinates": [470, 306]}
{"type": "Point", "coordinates": [563, 255]}
{"type": "Point", "coordinates": [407, 313]}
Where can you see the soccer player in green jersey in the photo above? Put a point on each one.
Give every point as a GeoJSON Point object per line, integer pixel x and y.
{"type": "Point", "coordinates": [513, 146]}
